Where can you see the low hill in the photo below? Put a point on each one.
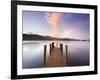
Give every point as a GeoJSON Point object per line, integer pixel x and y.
{"type": "Point", "coordinates": [40, 37]}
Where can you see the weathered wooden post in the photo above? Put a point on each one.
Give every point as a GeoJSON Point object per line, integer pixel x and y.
{"type": "Point", "coordinates": [45, 47]}
{"type": "Point", "coordinates": [50, 48]}
{"type": "Point", "coordinates": [52, 45]}
{"type": "Point", "coordinates": [61, 48]}
{"type": "Point", "coordinates": [67, 54]}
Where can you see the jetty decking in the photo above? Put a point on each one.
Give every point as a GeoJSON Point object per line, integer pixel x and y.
{"type": "Point", "coordinates": [56, 57]}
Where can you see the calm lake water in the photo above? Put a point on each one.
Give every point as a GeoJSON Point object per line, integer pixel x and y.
{"type": "Point", "coordinates": [33, 51]}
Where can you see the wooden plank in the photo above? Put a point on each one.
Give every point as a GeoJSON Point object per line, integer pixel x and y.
{"type": "Point", "coordinates": [56, 59]}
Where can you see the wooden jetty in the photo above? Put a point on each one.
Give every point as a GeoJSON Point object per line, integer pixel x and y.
{"type": "Point", "coordinates": [56, 57]}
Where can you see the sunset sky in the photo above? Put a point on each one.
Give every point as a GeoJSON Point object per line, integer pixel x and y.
{"type": "Point", "coordinates": [66, 25]}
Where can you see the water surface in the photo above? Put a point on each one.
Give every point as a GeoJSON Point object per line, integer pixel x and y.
{"type": "Point", "coordinates": [33, 51]}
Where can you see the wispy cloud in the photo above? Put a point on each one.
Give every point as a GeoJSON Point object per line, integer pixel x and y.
{"type": "Point", "coordinates": [54, 20]}
{"type": "Point", "coordinates": [75, 30]}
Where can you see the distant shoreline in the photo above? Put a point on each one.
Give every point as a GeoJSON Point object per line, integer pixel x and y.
{"type": "Point", "coordinates": [34, 37]}
{"type": "Point", "coordinates": [56, 40]}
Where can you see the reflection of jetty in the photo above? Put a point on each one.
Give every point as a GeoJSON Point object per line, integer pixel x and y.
{"type": "Point", "coordinates": [56, 57]}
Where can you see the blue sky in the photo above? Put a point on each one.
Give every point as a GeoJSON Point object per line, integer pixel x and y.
{"type": "Point", "coordinates": [68, 25]}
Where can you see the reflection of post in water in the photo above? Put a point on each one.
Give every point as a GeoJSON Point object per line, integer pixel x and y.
{"type": "Point", "coordinates": [45, 47]}
{"type": "Point", "coordinates": [66, 54]}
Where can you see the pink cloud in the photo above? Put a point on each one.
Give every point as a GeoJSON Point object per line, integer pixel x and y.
{"type": "Point", "coordinates": [54, 20]}
{"type": "Point", "coordinates": [74, 30]}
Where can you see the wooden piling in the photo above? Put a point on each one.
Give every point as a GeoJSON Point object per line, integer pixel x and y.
{"type": "Point", "coordinates": [67, 54]}
{"type": "Point", "coordinates": [61, 48]}
{"type": "Point", "coordinates": [52, 45]}
{"type": "Point", "coordinates": [50, 48]}
{"type": "Point", "coordinates": [45, 47]}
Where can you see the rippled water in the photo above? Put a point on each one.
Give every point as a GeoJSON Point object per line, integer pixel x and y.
{"type": "Point", "coordinates": [33, 51]}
